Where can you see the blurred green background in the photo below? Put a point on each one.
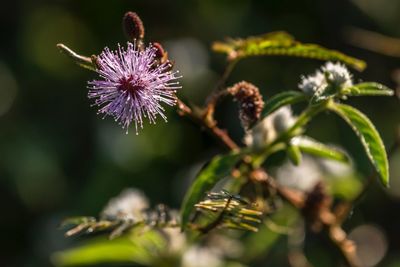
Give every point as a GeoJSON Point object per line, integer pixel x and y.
{"type": "Point", "coordinates": [58, 158]}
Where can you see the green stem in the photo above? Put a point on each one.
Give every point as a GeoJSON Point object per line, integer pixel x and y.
{"type": "Point", "coordinates": [281, 141]}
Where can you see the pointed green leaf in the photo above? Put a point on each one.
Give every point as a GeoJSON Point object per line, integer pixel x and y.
{"type": "Point", "coordinates": [368, 88]}
{"type": "Point", "coordinates": [313, 147]}
{"type": "Point", "coordinates": [218, 168]}
{"type": "Point", "coordinates": [281, 44]}
{"type": "Point", "coordinates": [368, 135]}
{"type": "Point", "coordinates": [283, 99]}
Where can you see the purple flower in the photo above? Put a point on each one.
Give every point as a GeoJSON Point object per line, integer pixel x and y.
{"type": "Point", "coordinates": [133, 85]}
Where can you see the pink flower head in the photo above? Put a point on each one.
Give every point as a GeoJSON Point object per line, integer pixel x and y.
{"type": "Point", "coordinates": [133, 85]}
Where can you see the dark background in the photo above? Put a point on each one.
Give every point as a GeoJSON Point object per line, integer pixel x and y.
{"type": "Point", "coordinates": [58, 158]}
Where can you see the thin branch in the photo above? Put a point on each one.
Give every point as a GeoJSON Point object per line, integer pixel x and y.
{"type": "Point", "coordinates": [208, 124]}
{"type": "Point", "coordinates": [298, 199]}
{"type": "Point", "coordinates": [228, 70]}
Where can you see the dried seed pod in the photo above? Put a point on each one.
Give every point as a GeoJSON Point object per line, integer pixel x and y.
{"type": "Point", "coordinates": [250, 102]}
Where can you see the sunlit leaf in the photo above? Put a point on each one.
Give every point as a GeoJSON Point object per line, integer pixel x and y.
{"type": "Point", "coordinates": [282, 99]}
{"type": "Point", "coordinates": [218, 168]}
{"type": "Point", "coordinates": [369, 137]}
{"type": "Point", "coordinates": [368, 88]}
{"type": "Point", "coordinates": [281, 44]}
{"type": "Point", "coordinates": [140, 247]}
{"type": "Point", "coordinates": [313, 147]}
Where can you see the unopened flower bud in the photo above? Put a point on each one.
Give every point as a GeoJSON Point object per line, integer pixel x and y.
{"type": "Point", "coordinates": [161, 54]}
{"type": "Point", "coordinates": [250, 102]}
{"type": "Point", "coordinates": [133, 26]}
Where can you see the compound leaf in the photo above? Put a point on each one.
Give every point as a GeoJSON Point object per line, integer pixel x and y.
{"type": "Point", "coordinates": [281, 44]}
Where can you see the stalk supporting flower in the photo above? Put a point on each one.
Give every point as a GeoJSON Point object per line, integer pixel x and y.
{"type": "Point", "coordinates": [132, 85]}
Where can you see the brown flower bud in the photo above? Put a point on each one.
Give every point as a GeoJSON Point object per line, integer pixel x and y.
{"type": "Point", "coordinates": [95, 62]}
{"type": "Point", "coordinates": [161, 54]}
{"type": "Point", "coordinates": [133, 26]}
{"type": "Point", "coordinates": [250, 102]}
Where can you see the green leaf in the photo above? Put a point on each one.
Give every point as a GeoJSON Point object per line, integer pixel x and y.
{"type": "Point", "coordinates": [84, 62]}
{"type": "Point", "coordinates": [313, 147]}
{"type": "Point", "coordinates": [294, 154]}
{"type": "Point", "coordinates": [140, 247]}
{"type": "Point", "coordinates": [218, 168]}
{"type": "Point", "coordinates": [368, 135]}
{"type": "Point", "coordinates": [283, 99]}
{"type": "Point", "coordinates": [281, 44]}
{"type": "Point", "coordinates": [368, 88]}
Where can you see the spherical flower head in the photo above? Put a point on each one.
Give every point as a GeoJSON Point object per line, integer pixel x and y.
{"type": "Point", "coordinates": [132, 86]}
{"type": "Point", "coordinates": [334, 74]}
{"type": "Point", "coordinates": [337, 74]}
{"type": "Point", "coordinates": [310, 84]}
{"type": "Point", "coordinates": [270, 127]}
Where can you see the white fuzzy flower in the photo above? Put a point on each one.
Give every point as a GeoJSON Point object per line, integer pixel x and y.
{"type": "Point", "coordinates": [129, 204]}
{"type": "Point", "coordinates": [331, 73]}
{"type": "Point", "coordinates": [270, 127]}
{"type": "Point", "coordinates": [310, 84]}
{"type": "Point", "coordinates": [337, 74]}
